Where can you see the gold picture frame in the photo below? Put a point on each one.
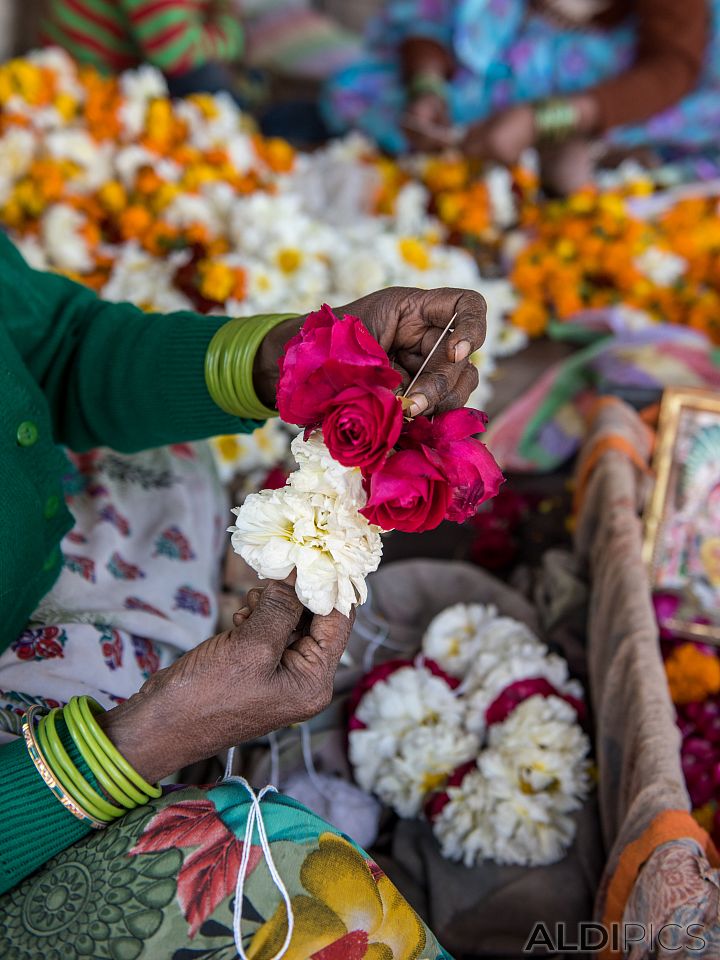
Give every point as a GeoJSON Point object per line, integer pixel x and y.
{"type": "Point", "coordinates": [682, 534]}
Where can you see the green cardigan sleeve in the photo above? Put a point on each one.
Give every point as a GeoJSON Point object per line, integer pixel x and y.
{"type": "Point", "coordinates": [112, 375]}
{"type": "Point", "coordinates": [35, 825]}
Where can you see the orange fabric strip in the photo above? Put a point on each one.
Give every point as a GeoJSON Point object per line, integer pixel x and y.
{"type": "Point", "coordinates": [611, 441]}
{"type": "Point", "coordinates": [668, 825]}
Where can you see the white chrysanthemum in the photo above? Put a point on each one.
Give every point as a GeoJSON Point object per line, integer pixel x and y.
{"type": "Point", "coordinates": [64, 244]}
{"type": "Point", "coordinates": [264, 448]}
{"type": "Point", "coordinates": [64, 68]}
{"type": "Point", "coordinates": [454, 637]}
{"type": "Point", "coordinates": [414, 738]}
{"type": "Point", "coordinates": [93, 160]}
{"type": "Point", "coordinates": [190, 208]}
{"type": "Point", "coordinates": [499, 183]}
{"type": "Point", "coordinates": [359, 272]}
{"type": "Point", "coordinates": [138, 88]}
{"type": "Point", "coordinates": [146, 280]}
{"type": "Point", "coordinates": [324, 539]}
{"type": "Point", "coordinates": [130, 160]}
{"type": "Point", "coordinates": [17, 149]}
{"type": "Point", "coordinates": [661, 266]}
{"type": "Point", "coordinates": [33, 252]}
{"type": "Point", "coordinates": [411, 206]}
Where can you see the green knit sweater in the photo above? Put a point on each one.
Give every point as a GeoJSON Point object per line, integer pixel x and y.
{"type": "Point", "coordinates": [77, 371]}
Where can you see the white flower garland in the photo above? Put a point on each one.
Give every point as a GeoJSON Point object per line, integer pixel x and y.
{"type": "Point", "coordinates": [519, 779]}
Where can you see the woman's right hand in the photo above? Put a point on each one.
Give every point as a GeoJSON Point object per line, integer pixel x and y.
{"type": "Point", "coordinates": [268, 672]}
{"type": "Point", "coordinates": [426, 123]}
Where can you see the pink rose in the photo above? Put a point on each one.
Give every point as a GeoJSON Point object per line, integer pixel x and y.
{"type": "Point", "coordinates": [324, 358]}
{"type": "Point", "coordinates": [409, 492]}
{"type": "Point", "coordinates": [469, 466]}
{"type": "Point", "coordinates": [362, 426]}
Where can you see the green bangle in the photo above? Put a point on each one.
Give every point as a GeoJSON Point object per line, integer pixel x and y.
{"type": "Point", "coordinates": [110, 779]}
{"type": "Point", "coordinates": [69, 775]}
{"type": "Point", "coordinates": [555, 119]}
{"type": "Point", "coordinates": [88, 707]}
{"type": "Point", "coordinates": [229, 363]}
{"type": "Point", "coordinates": [428, 83]}
{"type": "Point", "coordinates": [48, 776]}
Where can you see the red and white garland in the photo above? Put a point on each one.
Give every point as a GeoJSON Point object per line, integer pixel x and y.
{"type": "Point", "coordinates": [481, 733]}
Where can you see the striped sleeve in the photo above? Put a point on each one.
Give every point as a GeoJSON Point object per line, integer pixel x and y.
{"type": "Point", "coordinates": [178, 35]}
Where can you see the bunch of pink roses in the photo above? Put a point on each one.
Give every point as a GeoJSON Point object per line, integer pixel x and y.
{"type": "Point", "coordinates": [336, 377]}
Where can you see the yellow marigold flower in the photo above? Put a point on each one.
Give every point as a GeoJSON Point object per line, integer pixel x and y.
{"type": "Point", "coordinates": [65, 105]}
{"type": "Point", "coordinates": [112, 196]}
{"type": "Point", "coordinates": [205, 103]}
{"type": "Point", "coordinates": [441, 175]}
{"type": "Point", "coordinates": [216, 280]}
{"type": "Point", "coordinates": [414, 252]}
{"type": "Point", "coordinates": [693, 675]}
{"type": "Point", "coordinates": [164, 196]}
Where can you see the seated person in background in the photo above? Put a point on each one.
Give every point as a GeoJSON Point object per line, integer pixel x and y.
{"type": "Point", "coordinates": [193, 42]}
{"type": "Point", "coordinates": [516, 73]}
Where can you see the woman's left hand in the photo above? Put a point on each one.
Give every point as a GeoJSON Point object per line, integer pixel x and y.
{"type": "Point", "coordinates": [407, 323]}
{"type": "Point", "coordinates": [503, 137]}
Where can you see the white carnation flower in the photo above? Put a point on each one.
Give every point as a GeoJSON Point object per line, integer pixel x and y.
{"type": "Point", "coordinates": [329, 544]}
{"type": "Point", "coordinates": [520, 663]}
{"type": "Point", "coordinates": [33, 252]}
{"type": "Point", "coordinates": [514, 809]}
{"type": "Point", "coordinates": [93, 159]}
{"type": "Point", "coordinates": [320, 474]}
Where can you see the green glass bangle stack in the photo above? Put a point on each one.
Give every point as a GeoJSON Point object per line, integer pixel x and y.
{"type": "Point", "coordinates": [118, 779]}
{"type": "Point", "coordinates": [555, 120]}
{"type": "Point", "coordinates": [229, 364]}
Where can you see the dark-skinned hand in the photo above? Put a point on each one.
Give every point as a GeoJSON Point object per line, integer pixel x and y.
{"type": "Point", "coordinates": [275, 667]}
{"type": "Point", "coordinates": [407, 323]}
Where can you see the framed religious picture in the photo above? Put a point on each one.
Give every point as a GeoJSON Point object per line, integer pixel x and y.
{"type": "Point", "coordinates": [682, 522]}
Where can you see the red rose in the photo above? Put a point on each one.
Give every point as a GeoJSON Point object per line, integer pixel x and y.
{"type": "Point", "coordinates": [467, 464]}
{"type": "Point", "coordinates": [362, 426]}
{"type": "Point", "coordinates": [409, 492]}
{"type": "Point", "coordinates": [324, 358]}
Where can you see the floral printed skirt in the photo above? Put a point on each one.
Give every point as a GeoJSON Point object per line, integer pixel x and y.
{"type": "Point", "coordinates": [160, 884]}
{"type": "Point", "coordinates": [526, 58]}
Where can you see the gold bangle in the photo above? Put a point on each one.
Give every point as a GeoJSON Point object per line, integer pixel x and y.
{"type": "Point", "coordinates": [48, 776]}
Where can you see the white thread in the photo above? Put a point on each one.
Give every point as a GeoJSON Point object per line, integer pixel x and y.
{"type": "Point", "coordinates": [229, 763]}
{"type": "Point", "coordinates": [274, 759]}
{"type": "Point", "coordinates": [255, 817]}
{"type": "Point", "coordinates": [426, 361]}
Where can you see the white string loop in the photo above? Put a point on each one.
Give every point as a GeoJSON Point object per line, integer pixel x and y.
{"type": "Point", "coordinates": [255, 818]}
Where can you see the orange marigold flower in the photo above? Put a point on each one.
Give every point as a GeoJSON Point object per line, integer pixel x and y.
{"type": "Point", "coordinates": [530, 316]}
{"type": "Point", "coordinates": [134, 222]}
{"type": "Point", "coordinates": [693, 674]}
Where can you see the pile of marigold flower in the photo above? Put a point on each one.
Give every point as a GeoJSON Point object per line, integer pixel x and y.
{"type": "Point", "coordinates": [592, 251]}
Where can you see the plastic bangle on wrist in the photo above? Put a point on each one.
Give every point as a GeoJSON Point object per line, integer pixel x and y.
{"type": "Point", "coordinates": [230, 361]}
{"type": "Point", "coordinates": [555, 119]}
{"type": "Point", "coordinates": [69, 775]}
{"type": "Point", "coordinates": [428, 83]}
{"type": "Point", "coordinates": [110, 779]}
{"type": "Point", "coordinates": [89, 707]}
{"type": "Point", "coordinates": [49, 778]}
